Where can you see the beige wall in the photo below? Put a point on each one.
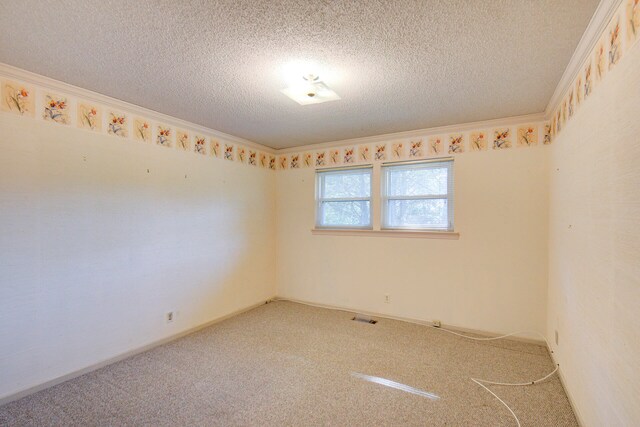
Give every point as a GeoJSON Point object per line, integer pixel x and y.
{"type": "Point", "coordinates": [493, 278]}
{"type": "Point", "coordinates": [594, 250]}
{"type": "Point", "coordinates": [95, 250]}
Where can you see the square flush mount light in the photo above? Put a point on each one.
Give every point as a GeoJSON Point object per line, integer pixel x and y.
{"type": "Point", "coordinates": [310, 91]}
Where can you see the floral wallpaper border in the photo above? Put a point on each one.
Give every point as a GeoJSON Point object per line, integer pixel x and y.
{"type": "Point", "coordinates": [38, 102]}
{"type": "Point", "coordinates": [619, 36]}
{"type": "Point", "coordinates": [428, 146]}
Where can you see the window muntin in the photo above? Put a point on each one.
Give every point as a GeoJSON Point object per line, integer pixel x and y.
{"type": "Point", "coordinates": [418, 196]}
{"type": "Point", "coordinates": [343, 198]}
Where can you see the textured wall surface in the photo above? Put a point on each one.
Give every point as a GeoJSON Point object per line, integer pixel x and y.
{"type": "Point", "coordinates": [594, 250]}
{"type": "Point", "coordinates": [94, 250]}
{"type": "Point", "coordinates": [493, 278]}
{"type": "Point", "coordinates": [398, 65]}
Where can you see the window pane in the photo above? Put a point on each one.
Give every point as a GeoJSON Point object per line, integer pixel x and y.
{"type": "Point", "coordinates": [417, 181]}
{"type": "Point", "coordinates": [426, 213]}
{"type": "Point", "coordinates": [346, 184]}
{"type": "Point", "coordinates": [350, 213]}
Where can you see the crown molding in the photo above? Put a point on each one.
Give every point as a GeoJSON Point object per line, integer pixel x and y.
{"type": "Point", "coordinates": [19, 74]}
{"type": "Point", "coordinates": [597, 25]}
{"type": "Point", "coordinates": [462, 127]}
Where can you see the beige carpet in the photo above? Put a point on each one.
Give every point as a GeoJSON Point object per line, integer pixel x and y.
{"type": "Point", "coordinates": [286, 364]}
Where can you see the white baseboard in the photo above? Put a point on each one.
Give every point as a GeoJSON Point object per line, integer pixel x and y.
{"type": "Point", "coordinates": [34, 389]}
{"type": "Point", "coordinates": [572, 402]}
{"type": "Point", "coordinates": [416, 321]}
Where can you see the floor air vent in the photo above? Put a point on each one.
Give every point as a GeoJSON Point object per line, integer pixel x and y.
{"type": "Point", "coordinates": [364, 319]}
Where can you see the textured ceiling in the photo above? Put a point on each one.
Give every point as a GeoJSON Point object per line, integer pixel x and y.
{"type": "Point", "coordinates": [397, 65]}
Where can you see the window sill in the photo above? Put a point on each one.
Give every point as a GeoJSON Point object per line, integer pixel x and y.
{"type": "Point", "coordinates": [414, 234]}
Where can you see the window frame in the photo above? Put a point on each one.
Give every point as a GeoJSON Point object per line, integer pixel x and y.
{"type": "Point", "coordinates": [320, 200]}
{"type": "Point", "coordinates": [385, 198]}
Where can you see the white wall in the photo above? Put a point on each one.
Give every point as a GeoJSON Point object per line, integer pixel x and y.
{"type": "Point", "coordinates": [94, 250]}
{"type": "Point", "coordinates": [594, 250]}
{"type": "Point", "coordinates": [493, 278]}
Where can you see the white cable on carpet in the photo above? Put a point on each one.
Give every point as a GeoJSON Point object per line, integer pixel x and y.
{"type": "Point", "coordinates": [491, 338]}
{"type": "Point", "coordinates": [539, 380]}
{"type": "Point", "coordinates": [501, 401]}
{"type": "Point", "coordinates": [482, 382]}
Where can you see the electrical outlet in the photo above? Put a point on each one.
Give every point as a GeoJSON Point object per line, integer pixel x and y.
{"type": "Point", "coordinates": [557, 337]}
{"type": "Point", "coordinates": [437, 323]}
{"type": "Point", "coordinates": [387, 299]}
{"type": "Point", "coordinates": [170, 316]}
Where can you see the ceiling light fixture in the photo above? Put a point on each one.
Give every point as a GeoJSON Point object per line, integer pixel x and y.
{"type": "Point", "coordinates": [311, 90]}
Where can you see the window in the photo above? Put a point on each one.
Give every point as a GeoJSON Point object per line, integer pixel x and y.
{"type": "Point", "coordinates": [343, 198]}
{"type": "Point", "coordinates": [418, 196]}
